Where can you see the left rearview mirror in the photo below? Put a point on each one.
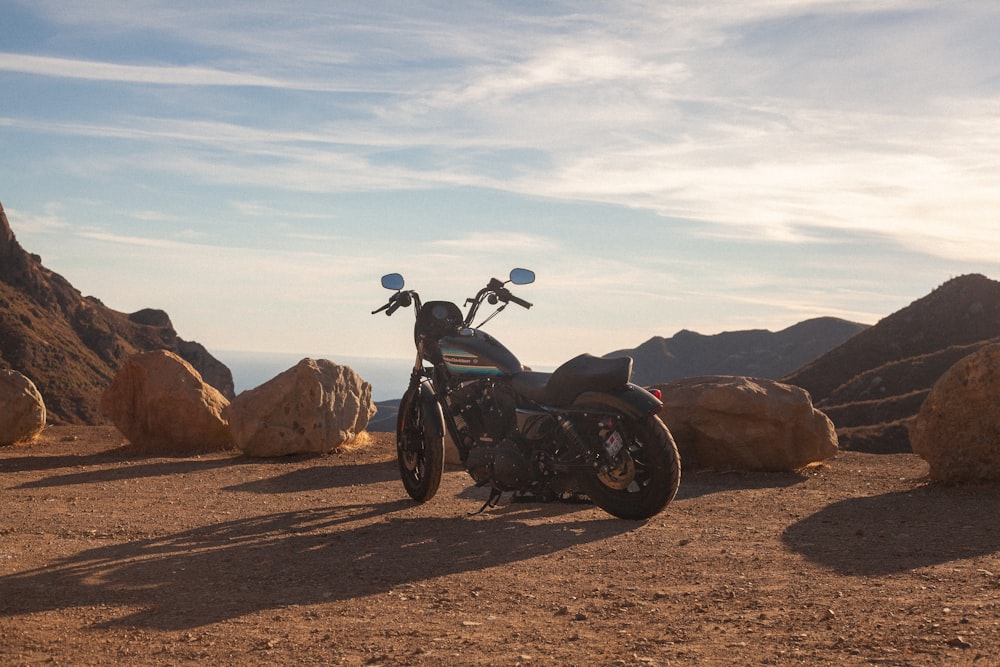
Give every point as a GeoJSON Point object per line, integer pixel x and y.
{"type": "Point", "coordinates": [392, 281]}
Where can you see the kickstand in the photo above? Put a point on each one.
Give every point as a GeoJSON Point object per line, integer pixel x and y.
{"type": "Point", "coordinates": [491, 502]}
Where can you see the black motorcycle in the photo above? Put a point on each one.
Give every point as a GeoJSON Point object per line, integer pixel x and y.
{"type": "Point", "coordinates": [582, 430]}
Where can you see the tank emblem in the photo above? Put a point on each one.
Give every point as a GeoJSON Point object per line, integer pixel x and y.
{"type": "Point", "coordinates": [460, 361]}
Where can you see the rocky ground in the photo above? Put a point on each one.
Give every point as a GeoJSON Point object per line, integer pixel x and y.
{"type": "Point", "coordinates": [107, 557]}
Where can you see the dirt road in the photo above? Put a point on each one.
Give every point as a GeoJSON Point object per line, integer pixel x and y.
{"type": "Point", "coordinates": [109, 558]}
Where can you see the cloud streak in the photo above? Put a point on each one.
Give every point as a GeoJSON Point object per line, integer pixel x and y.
{"type": "Point", "coordinates": [144, 74]}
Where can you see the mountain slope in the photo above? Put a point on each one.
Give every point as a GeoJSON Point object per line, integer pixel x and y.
{"type": "Point", "coordinates": [71, 346]}
{"type": "Point", "coordinates": [874, 383]}
{"type": "Point", "coordinates": [755, 352]}
{"type": "Point", "coordinates": [962, 311]}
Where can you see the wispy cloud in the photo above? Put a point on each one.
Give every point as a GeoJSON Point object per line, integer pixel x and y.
{"type": "Point", "coordinates": [145, 74]}
{"type": "Point", "coordinates": [52, 220]}
{"type": "Point", "coordinates": [495, 242]}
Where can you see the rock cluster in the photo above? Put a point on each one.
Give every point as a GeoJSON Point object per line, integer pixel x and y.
{"type": "Point", "coordinates": [741, 423]}
{"type": "Point", "coordinates": [22, 410]}
{"type": "Point", "coordinates": [162, 405]}
{"type": "Point", "coordinates": [957, 430]}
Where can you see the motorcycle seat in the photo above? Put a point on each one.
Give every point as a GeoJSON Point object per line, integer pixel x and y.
{"type": "Point", "coordinates": [578, 375]}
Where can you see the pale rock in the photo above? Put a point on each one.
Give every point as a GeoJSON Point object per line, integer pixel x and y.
{"type": "Point", "coordinates": [957, 430]}
{"type": "Point", "coordinates": [22, 410]}
{"type": "Point", "coordinates": [161, 404]}
{"type": "Point", "coordinates": [313, 407]}
{"type": "Point", "coordinates": [742, 423]}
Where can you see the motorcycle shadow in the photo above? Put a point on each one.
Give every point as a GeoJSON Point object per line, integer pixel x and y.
{"type": "Point", "coordinates": [229, 569]}
{"type": "Point", "coordinates": [510, 503]}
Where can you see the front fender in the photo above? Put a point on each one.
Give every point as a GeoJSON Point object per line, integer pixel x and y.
{"type": "Point", "coordinates": [632, 400]}
{"type": "Point", "coordinates": [433, 417]}
{"type": "Point", "coordinates": [430, 409]}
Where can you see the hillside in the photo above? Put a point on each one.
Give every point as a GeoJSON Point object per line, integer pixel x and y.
{"type": "Point", "coordinates": [755, 353]}
{"type": "Point", "coordinates": [871, 385]}
{"type": "Point", "coordinates": [70, 345]}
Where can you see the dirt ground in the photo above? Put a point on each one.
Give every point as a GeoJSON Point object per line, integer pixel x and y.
{"type": "Point", "coordinates": [107, 557]}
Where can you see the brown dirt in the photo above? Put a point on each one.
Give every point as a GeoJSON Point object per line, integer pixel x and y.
{"type": "Point", "coordinates": [107, 557]}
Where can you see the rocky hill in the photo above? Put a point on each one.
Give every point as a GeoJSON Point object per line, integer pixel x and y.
{"type": "Point", "coordinates": [70, 345]}
{"type": "Point", "coordinates": [874, 383]}
{"type": "Point", "coordinates": [756, 353]}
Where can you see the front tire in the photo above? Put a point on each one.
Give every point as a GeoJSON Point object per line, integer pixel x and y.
{"type": "Point", "coordinates": [419, 448]}
{"type": "Point", "coordinates": [642, 478]}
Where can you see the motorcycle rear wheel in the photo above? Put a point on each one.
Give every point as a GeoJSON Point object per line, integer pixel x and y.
{"type": "Point", "coordinates": [419, 449]}
{"type": "Point", "coordinates": [645, 474]}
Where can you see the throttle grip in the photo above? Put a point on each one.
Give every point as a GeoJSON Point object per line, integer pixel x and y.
{"type": "Point", "coordinates": [519, 301]}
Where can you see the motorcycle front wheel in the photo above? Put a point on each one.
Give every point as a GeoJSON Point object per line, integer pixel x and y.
{"type": "Point", "coordinates": [419, 449]}
{"type": "Point", "coordinates": [641, 479]}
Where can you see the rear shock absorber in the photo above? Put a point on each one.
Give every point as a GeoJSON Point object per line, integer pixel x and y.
{"type": "Point", "coordinates": [578, 446]}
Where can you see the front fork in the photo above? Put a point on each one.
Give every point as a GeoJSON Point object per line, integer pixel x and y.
{"type": "Point", "coordinates": [421, 390]}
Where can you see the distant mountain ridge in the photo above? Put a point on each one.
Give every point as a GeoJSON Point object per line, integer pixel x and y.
{"type": "Point", "coordinates": [71, 346]}
{"type": "Point", "coordinates": [754, 352]}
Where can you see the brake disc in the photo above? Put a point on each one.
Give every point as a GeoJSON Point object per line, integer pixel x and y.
{"type": "Point", "coordinates": [621, 476]}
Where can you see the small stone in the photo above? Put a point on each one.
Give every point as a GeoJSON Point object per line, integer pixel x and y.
{"type": "Point", "coordinates": [959, 642]}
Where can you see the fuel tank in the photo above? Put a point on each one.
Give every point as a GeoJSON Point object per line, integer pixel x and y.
{"type": "Point", "coordinates": [474, 353]}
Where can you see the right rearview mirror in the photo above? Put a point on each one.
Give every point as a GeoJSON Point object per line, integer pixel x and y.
{"type": "Point", "coordinates": [522, 276]}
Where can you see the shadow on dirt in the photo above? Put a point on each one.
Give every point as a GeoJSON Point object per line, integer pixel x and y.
{"type": "Point", "coordinates": [31, 462]}
{"type": "Point", "coordinates": [896, 532]}
{"type": "Point", "coordinates": [317, 478]}
{"type": "Point", "coordinates": [122, 470]}
{"type": "Point", "coordinates": [698, 483]}
{"type": "Point", "coordinates": [314, 478]}
{"type": "Point", "coordinates": [229, 569]}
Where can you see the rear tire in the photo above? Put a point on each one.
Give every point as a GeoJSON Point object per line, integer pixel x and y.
{"type": "Point", "coordinates": [419, 449]}
{"type": "Point", "coordinates": [645, 474]}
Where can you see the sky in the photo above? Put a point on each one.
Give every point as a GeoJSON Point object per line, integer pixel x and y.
{"type": "Point", "coordinates": [254, 168]}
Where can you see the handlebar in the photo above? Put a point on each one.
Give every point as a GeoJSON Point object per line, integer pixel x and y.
{"type": "Point", "coordinates": [503, 294]}
{"type": "Point", "coordinates": [398, 300]}
{"type": "Point", "coordinates": [495, 291]}
{"type": "Point", "coordinates": [519, 301]}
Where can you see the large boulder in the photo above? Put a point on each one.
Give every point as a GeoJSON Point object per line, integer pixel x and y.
{"type": "Point", "coordinates": [957, 430]}
{"type": "Point", "coordinates": [22, 410]}
{"type": "Point", "coordinates": [742, 423]}
{"type": "Point", "coordinates": [313, 407]}
{"type": "Point", "coordinates": [161, 404]}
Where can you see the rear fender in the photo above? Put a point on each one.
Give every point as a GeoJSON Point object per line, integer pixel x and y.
{"type": "Point", "coordinates": [632, 400]}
